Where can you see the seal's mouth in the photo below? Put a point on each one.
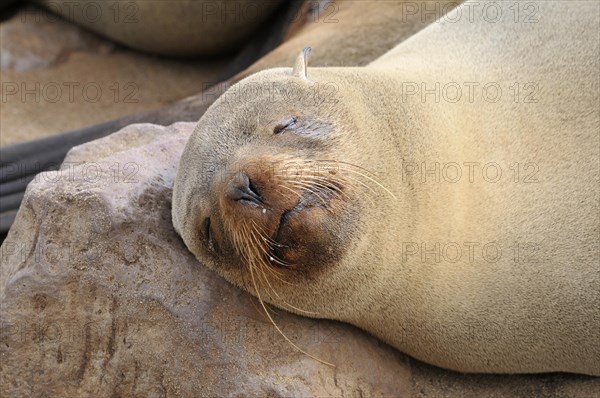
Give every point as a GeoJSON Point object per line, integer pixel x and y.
{"type": "Point", "coordinates": [208, 234]}
{"type": "Point", "coordinates": [308, 200]}
{"type": "Point", "coordinates": [283, 220]}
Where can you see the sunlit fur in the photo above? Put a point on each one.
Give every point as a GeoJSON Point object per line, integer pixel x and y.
{"type": "Point", "coordinates": [506, 316]}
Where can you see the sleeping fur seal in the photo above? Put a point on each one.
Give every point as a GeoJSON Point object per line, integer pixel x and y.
{"type": "Point", "coordinates": [444, 198]}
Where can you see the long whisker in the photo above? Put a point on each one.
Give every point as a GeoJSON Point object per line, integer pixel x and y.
{"type": "Point", "coordinates": [359, 182]}
{"type": "Point", "coordinates": [366, 173]}
{"type": "Point", "coordinates": [277, 327]}
{"type": "Point", "coordinates": [372, 180]}
{"type": "Point", "coordinates": [310, 172]}
{"type": "Point", "coordinates": [261, 264]}
{"type": "Point", "coordinates": [291, 190]}
{"type": "Point", "coordinates": [310, 189]}
{"type": "Point", "coordinates": [321, 183]}
{"type": "Point", "coordinates": [262, 251]}
{"type": "Point", "coordinates": [301, 310]}
{"type": "Point", "coordinates": [338, 162]}
{"type": "Point", "coordinates": [244, 232]}
{"type": "Point", "coordinates": [257, 261]}
{"type": "Point", "coordinates": [264, 254]}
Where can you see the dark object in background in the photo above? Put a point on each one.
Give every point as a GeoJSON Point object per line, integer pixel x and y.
{"type": "Point", "coordinates": [179, 28]}
{"type": "Point", "coordinates": [19, 163]}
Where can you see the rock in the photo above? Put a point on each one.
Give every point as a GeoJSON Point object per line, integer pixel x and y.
{"type": "Point", "coordinates": [101, 298]}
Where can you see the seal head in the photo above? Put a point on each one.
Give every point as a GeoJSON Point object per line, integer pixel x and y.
{"type": "Point", "coordinates": [261, 184]}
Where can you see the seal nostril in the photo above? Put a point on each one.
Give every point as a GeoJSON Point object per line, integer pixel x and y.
{"type": "Point", "coordinates": [241, 188]}
{"type": "Point", "coordinates": [252, 188]}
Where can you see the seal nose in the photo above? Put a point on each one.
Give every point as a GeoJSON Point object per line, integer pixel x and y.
{"type": "Point", "coordinates": [240, 188]}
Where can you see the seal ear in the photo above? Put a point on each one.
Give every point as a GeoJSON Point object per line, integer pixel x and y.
{"type": "Point", "coordinates": [301, 64]}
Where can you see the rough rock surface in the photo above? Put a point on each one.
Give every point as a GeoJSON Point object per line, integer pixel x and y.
{"type": "Point", "coordinates": [101, 298]}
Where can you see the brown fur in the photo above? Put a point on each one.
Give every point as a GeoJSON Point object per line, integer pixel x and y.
{"type": "Point", "coordinates": [529, 312]}
{"type": "Point", "coordinates": [181, 28]}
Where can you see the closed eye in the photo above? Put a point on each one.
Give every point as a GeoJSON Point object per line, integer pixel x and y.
{"type": "Point", "coordinates": [284, 124]}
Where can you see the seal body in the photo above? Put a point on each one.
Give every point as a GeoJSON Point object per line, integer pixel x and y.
{"type": "Point", "coordinates": [183, 28]}
{"type": "Point", "coordinates": [444, 198]}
